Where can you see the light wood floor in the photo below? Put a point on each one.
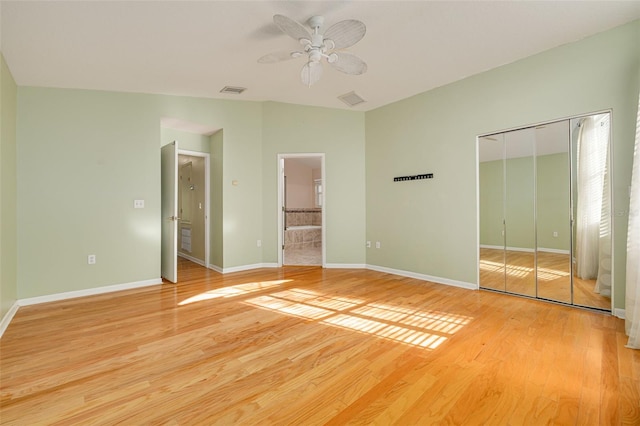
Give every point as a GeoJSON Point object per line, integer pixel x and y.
{"type": "Point", "coordinates": [307, 346]}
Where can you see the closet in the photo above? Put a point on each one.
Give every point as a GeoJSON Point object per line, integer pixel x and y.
{"type": "Point", "coordinates": [545, 211]}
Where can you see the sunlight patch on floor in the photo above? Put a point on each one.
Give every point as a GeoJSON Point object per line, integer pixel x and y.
{"type": "Point", "coordinates": [516, 271]}
{"type": "Point", "coordinates": [232, 291]}
{"type": "Point", "coordinates": [546, 274]}
{"type": "Point", "coordinates": [426, 329]}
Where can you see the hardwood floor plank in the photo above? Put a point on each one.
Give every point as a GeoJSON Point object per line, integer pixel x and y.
{"type": "Point", "coordinates": [306, 345]}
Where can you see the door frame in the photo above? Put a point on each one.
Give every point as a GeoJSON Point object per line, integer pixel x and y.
{"type": "Point", "coordinates": [207, 198]}
{"type": "Point", "coordinates": [280, 204]}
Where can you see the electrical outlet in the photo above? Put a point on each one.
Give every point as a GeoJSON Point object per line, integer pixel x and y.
{"type": "Point", "coordinates": [259, 243]}
{"type": "Point", "coordinates": [555, 234]}
{"type": "Point", "coordinates": [368, 244]}
{"type": "Point", "coordinates": [377, 244]}
{"type": "Point", "coordinates": [91, 259]}
{"type": "Point", "coordinates": [138, 204]}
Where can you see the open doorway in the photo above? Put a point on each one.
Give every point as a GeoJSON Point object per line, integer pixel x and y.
{"type": "Point", "coordinates": [181, 242]}
{"type": "Point", "coordinates": [302, 206]}
{"type": "Point", "coordinates": [193, 205]}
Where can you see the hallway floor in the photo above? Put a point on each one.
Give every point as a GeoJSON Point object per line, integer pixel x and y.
{"type": "Point", "coordinates": [305, 256]}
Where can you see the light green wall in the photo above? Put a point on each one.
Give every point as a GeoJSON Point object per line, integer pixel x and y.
{"type": "Point", "coordinates": [430, 226]}
{"type": "Point", "coordinates": [340, 135]}
{"type": "Point", "coordinates": [552, 204]}
{"type": "Point", "coordinates": [8, 218]}
{"type": "Point", "coordinates": [216, 189]}
{"type": "Point", "coordinates": [186, 140]}
{"type": "Point", "coordinates": [519, 203]}
{"type": "Point", "coordinates": [84, 156]}
{"type": "Point", "coordinates": [491, 202]}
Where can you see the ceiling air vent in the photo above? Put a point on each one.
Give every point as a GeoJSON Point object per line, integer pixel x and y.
{"type": "Point", "coordinates": [352, 99]}
{"type": "Point", "coordinates": [233, 90]}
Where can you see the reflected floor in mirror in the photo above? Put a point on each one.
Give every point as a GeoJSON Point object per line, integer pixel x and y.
{"type": "Point", "coordinates": [553, 277]}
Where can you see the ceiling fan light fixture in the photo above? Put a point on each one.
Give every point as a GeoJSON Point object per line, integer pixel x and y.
{"type": "Point", "coordinates": [311, 73]}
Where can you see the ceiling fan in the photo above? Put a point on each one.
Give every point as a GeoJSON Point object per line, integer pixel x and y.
{"type": "Point", "coordinates": [318, 46]}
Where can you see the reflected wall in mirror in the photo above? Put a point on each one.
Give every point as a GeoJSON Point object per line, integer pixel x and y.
{"type": "Point", "coordinates": [544, 211]}
{"type": "Point", "coordinates": [491, 212]}
{"type": "Point", "coordinates": [553, 211]}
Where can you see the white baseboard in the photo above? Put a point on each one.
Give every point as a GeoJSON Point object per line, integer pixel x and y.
{"type": "Point", "coordinates": [214, 268]}
{"type": "Point", "coordinates": [248, 267]}
{"type": "Point", "coordinates": [6, 319]}
{"type": "Point", "coordinates": [552, 250]}
{"type": "Point", "coordinates": [488, 246]}
{"type": "Point", "coordinates": [423, 277]}
{"type": "Point", "coordinates": [522, 249]}
{"type": "Point", "coordinates": [619, 313]}
{"type": "Point", "coordinates": [192, 259]}
{"type": "Point", "coordinates": [87, 292]}
{"type": "Point", "coordinates": [345, 266]}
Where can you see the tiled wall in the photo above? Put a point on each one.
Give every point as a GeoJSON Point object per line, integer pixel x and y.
{"type": "Point", "coordinates": [298, 217]}
{"type": "Point", "coordinates": [302, 238]}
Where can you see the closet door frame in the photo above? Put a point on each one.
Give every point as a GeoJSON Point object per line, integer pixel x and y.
{"type": "Point", "coordinates": [571, 224]}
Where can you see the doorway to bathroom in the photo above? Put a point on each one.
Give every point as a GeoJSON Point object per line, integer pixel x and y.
{"type": "Point", "coordinates": [301, 212]}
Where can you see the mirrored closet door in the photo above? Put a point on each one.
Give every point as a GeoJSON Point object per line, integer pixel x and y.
{"type": "Point", "coordinates": [545, 211]}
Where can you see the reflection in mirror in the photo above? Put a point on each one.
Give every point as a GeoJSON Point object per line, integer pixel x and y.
{"type": "Point", "coordinates": [592, 211]}
{"type": "Point", "coordinates": [553, 219]}
{"type": "Point", "coordinates": [491, 186]}
{"type": "Point", "coordinates": [545, 211]}
{"type": "Point", "coordinates": [519, 212]}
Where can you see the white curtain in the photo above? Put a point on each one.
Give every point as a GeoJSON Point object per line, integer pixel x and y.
{"type": "Point", "coordinates": [593, 141]}
{"type": "Point", "coordinates": [632, 300]}
{"type": "Point", "coordinates": [603, 283]}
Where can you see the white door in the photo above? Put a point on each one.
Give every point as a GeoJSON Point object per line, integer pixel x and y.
{"type": "Point", "coordinates": [169, 171]}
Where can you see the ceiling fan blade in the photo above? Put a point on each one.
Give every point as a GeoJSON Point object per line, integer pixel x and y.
{"type": "Point", "coordinates": [273, 57]}
{"type": "Point", "coordinates": [346, 33]}
{"type": "Point", "coordinates": [311, 73]}
{"type": "Point", "coordinates": [292, 28]}
{"type": "Point", "coordinates": [349, 63]}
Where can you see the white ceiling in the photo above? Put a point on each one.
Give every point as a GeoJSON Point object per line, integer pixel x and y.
{"type": "Point", "coordinates": [196, 48]}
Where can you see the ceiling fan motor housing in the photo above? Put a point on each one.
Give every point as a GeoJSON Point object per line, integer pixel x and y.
{"type": "Point", "coordinates": [315, 54]}
{"type": "Point", "coordinates": [316, 21]}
